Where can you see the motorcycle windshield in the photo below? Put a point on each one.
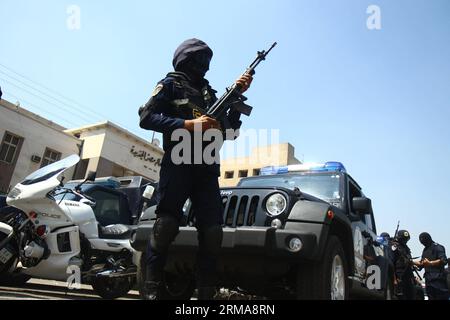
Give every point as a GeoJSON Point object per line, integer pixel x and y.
{"type": "Point", "coordinates": [51, 170]}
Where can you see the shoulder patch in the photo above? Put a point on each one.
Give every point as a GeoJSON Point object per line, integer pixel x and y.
{"type": "Point", "coordinates": [157, 89]}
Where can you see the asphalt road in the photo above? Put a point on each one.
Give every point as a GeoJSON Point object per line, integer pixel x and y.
{"type": "Point", "coordinates": [36, 289]}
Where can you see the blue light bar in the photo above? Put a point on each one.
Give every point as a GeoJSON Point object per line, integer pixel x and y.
{"type": "Point", "coordinates": [335, 166]}
{"type": "Point", "coordinates": [110, 182]}
{"type": "Point", "coordinates": [331, 166]}
{"type": "Point", "coordinates": [273, 170]}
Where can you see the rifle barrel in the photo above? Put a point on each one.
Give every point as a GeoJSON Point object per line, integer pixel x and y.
{"type": "Point", "coordinates": [219, 108]}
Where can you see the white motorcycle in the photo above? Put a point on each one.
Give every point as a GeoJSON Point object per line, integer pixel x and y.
{"type": "Point", "coordinates": [58, 237]}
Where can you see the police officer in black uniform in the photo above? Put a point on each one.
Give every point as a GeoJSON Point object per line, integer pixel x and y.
{"type": "Point", "coordinates": [387, 248]}
{"type": "Point", "coordinates": [403, 266]}
{"type": "Point", "coordinates": [178, 102]}
{"type": "Point", "coordinates": [434, 261]}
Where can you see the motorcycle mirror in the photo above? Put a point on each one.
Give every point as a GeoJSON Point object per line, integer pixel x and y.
{"type": "Point", "coordinates": [148, 192]}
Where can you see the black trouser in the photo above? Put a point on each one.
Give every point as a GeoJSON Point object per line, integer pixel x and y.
{"type": "Point", "coordinates": [437, 289]}
{"type": "Point", "coordinates": [406, 286]}
{"type": "Point", "coordinates": [176, 185]}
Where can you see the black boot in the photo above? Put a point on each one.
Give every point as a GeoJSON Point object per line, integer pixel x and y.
{"type": "Point", "coordinates": [151, 290]}
{"type": "Point", "coordinates": [206, 293]}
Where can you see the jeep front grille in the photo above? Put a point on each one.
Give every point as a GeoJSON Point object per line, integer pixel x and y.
{"type": "Point", "coordinates": [240, 211]}
{"type": "Point", "coordinates": [237, 211]}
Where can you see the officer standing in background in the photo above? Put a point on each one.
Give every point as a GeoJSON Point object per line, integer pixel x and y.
{"type": "Point", "coordinates": [434, 261]}
{"type": "Point", "coordinates": [177, 102]}
{"type": "Point", "coordinates": [403, 266]}
{"type": "Point", "coordinates": [386, 242]}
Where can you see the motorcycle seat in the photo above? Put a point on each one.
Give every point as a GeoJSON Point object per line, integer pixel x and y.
{"type": "Point", "coordinates": [115, 231]}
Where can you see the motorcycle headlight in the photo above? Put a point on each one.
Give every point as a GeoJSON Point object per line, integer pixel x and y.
{"type": "Point", "coordinates": [276, 204]}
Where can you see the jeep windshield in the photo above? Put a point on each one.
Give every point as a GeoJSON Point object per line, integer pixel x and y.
{"type": "Point", "coordinates": [319, 185]}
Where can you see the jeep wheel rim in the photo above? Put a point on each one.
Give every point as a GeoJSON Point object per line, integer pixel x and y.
{"type": "Point", "coordinates": [337, 279]}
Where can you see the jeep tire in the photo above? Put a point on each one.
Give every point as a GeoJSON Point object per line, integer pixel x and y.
{"type": "Point", "coordinates": [326, 279]}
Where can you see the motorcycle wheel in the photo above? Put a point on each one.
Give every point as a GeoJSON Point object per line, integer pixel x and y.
{"type": "Point", "coordinates": [110, 289]}
{"type": "Point", "coordinates": [14, 279]}
{"type": "Point", "coordinates": [9, 276]}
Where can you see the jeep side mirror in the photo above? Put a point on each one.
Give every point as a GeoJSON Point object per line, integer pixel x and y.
{"type": "Point", "coordinates": [148, 192]}
{"type": "Point", "coordinates": [362, 205]}
{"type": "Point", "coordinates": [91, 176]}
{"type": "Point", "coordinates": [89, 203]}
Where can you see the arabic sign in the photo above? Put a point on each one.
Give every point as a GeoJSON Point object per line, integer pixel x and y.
{"type": "Point", "coordinates": [143, 155]}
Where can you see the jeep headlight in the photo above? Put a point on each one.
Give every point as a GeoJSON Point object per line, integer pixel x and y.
{"type": "Point", "coordinates": [276, 204]}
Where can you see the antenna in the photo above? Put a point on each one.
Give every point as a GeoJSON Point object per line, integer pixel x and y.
{"type": "Point", "coordinates": [396, 230]}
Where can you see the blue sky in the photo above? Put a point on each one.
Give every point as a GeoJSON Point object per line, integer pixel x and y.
{"type": "Point", "coordinates": [377, 100]}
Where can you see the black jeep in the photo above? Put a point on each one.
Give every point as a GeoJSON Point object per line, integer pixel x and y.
{"type": "Point", "coordinates": [301, 231]}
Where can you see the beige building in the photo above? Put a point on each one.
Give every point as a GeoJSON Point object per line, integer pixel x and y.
{"type": "Point", "coordinates": [29, 142]}
{"type": "Point", "coordinates": [113, 151]}
{"type": "Point", "coordinates": [233, 169]}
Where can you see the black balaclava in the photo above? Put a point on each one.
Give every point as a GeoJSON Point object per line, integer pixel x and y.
{"type": "Point", "coordinates": [193, 57]}
{"type": "Point", "coordinates": [425, 239]}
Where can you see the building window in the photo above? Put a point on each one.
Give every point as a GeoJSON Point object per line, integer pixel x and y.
{"type": "Point", "coordinates": [9, 147]}
{"type": "Point", "coordinates": [229, 174]}
{"type": "Point", "coordinates": [243, 173]}
{"type": "Point", "coordinates": [256, 172]}
{"type": "Point", "coordinates": [50, 156]}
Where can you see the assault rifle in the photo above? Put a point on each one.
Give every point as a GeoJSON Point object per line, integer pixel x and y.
{"type": "Point", "coordinates": [232, 98]}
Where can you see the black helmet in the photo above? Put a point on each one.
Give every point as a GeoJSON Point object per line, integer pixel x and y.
{"type": "Point", "coordinates": [403, 236]}
{"type": "Point", "coordinates": [385, 235]}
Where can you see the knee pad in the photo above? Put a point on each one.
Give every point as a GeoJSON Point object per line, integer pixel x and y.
{"type": "Point", "coordinates": [163, 233]}
{"type": "Point", "coordinates": [210, 239]}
